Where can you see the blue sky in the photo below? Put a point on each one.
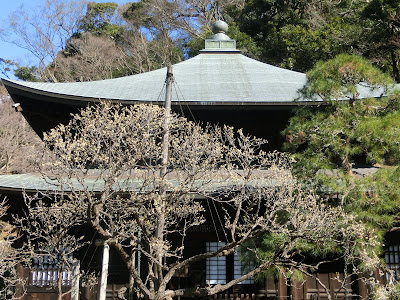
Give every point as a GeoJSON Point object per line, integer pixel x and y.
{"type": "Point", "coordinates": [10, 51]}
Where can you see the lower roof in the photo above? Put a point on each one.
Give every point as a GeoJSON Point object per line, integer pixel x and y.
{"type": "Point", "coordinates": [33, 182]}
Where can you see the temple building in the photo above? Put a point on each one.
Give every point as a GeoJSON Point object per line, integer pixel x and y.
{"type": "Point", "coordinates": [220, 86]}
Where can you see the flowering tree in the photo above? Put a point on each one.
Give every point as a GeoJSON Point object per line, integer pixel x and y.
{"type": "Point", "coordinates": [108, 166]}
{"type": "Point", "coordinates": [9, 257]}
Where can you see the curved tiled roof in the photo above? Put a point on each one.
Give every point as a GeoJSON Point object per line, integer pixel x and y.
{"type": "Point", "coordinates": [207, 79]}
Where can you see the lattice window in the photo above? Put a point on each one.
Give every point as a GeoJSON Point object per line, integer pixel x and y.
{"type": "Point", "coordinates": [215, 266]}
{"type": "Point", "coordinates": [392, 259]}
{"type": "Point", "coordinates": [47, 269]}
{"type": "Point", "coordinates": [240, 268]}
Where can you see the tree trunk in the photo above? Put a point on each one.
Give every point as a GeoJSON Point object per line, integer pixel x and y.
{"type": "Point", "coordinates": [396, 73]}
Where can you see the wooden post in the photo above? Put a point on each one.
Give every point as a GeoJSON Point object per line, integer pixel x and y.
{"type": "Point", "coordinates": [160, 207]}
{"type": "Point", "coordinates": [282, 287]}
{"type": "Point", "coordinates": [104, 271]}
{"type": "Point", "coordinates": [296, 290]}
{"type": "Point", "coordinates": [167, 106]}
{"type": "Point", "coordinates": [380, 277]}
{"type": "Point", "coordinates": [362, 287]}
{"type": "Point", "coordinates": [75, 280]}
{"type": "Point", "coordinates": [23, 274]}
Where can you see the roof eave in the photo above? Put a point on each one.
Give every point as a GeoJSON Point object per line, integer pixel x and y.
{"type": "Point", "coordinates": [72, 99]}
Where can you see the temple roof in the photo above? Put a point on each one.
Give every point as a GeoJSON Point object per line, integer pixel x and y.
{"type": "Point", "coordinates": [210, 78]}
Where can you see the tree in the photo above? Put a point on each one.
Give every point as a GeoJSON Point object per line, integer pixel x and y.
{"type": "Point", "coordinates": [50, 237]}
{"type": "Point", "coordinates": [32, 242]}
{"type": "Point", "coordinates": [65, 39]}
{"type": "Point", "coordinates": [342, 77]}
{"type": "Point", "coordinates": [100, 19]}
{"type": "Point", "coordinates": [44, 32]}
{"type": "Point", "coordinates": [390, 292]}
{"type": "Point", "coordinates": [383, 34]}
{"type": "Point", "coordinates": [90, 57]}
{"type": "Point", "coordinates": [109, 165]}
{"type": "Point", "coordinates": [185, 17]}
{"type": "Point", "coordinates": [345, 132]}
{"type": "Point", "coordinates": [6, 65]}
{"type": "Point", "coordinates": [263, 21]}
{"type": "Point", "coordinates": [105, 46]}
{"type": "Point", "coordinates": [17, 139]}
{"type": "Point", "coordinates": [297, 34]}
{"type": "Point", "coordinates": [9, 257]}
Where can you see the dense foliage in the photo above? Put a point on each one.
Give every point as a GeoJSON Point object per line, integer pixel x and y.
{"type": "Point", "coordinates": [297, 34]}
{"type": "Point", "coordinates": [331, 142]}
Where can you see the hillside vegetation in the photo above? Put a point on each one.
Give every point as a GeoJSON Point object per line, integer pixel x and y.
{"type": "Point", "coordinates": [17, 138]}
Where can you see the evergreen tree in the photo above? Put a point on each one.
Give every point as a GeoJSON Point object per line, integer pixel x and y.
{"type": "Point", "coordinates": [297, 34]}
{"type": "Point", "coordinates": [383, 35]}
{"type": "Point", "coordinates": [346, 132]}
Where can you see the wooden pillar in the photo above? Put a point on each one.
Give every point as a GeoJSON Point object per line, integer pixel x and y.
{"type": "Point", "coordinates": [331, 280]}
{"type": "Point", "coordinates": [104, 271]}
{"type": "Point", "coordinates": [296, 290]}
{"type": "Point", "coordinates": [380, 277]}
{"type": "Point", "coordinates": [362, 287]}
{"type": "Point", "coordinates": [282, 287]}
{"type": "Point", "coordinates": [22, 274]}
{"type": "Point", "coordinates": [75, 280]}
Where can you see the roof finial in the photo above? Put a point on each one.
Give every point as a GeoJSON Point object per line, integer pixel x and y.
{"type": "Point", "coordinates": [220, 28]}
{"type": "Point", "coordinates": [220, 42]}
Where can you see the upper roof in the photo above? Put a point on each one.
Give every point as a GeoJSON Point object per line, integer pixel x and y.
{"type": "Point", "coordinates": [220, 75]}
{"type": "Point", "coordinates": [207, 79]}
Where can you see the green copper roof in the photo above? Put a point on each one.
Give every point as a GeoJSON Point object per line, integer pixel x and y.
{"type": "Point", "coordinates": [209, 79]}
{"type": "Point", "coordinates": [35, 182]}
